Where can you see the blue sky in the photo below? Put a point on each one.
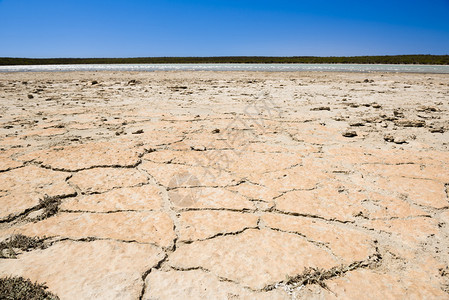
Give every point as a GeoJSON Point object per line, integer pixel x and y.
{"type": "Point", "coordinates": [113, 28]}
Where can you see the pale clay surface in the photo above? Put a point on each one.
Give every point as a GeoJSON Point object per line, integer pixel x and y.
{"type": "Point", "coordinates": [203, 185]}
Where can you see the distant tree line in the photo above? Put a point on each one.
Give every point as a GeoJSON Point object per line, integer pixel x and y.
{"type": "Point", "coordinates": [386, 59]}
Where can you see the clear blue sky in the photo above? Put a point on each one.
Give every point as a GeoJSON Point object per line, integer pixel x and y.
{"type": "Point", "coordinates": [113, 28]}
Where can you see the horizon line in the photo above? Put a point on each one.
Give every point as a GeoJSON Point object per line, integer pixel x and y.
{"type": "Point", "coordinates": [225, 56]}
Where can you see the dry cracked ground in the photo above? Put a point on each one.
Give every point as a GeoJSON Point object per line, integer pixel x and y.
{"type": "Point", "coordinates": [203, 185]}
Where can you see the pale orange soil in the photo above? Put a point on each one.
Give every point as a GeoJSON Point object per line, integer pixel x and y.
{"type": "Point", "coordinates": [201, 185]}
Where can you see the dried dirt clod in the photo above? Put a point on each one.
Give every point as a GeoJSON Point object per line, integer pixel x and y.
{"type": "Point", "coordinates": [400, 140]}
{"type": "Point", "coordinates": [410, 123]}
{"type": "Point", "coordinates": [398, 113]}
{"type": "Point", "coordinates": [389, 138]}
{"type": "Point", "coordinates": [133, 82]}
{"type": "Point", "coordinates": [198, 148]}
{"type": "Point", "coordinates": [356, 124]}
{"type": "Point", "coordinates": [349, 133]}
{"type": "Point", "coordinates": [396, 140]}
{"type": "Point", "coordinates": [321, 108]}
{"type": "Point", "coordinates": [425, 108]}
{"type": "Point", "coordinates": [437, 129]}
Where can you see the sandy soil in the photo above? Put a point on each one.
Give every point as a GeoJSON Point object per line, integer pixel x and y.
{"type": "Point", "coordinates": [201, 185]}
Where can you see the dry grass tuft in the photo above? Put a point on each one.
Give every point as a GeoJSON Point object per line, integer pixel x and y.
{"type": "Point", "coordinates": [21, 242]}
{"type": "Point", "coordinates": [50, 206]}
{"type": "Point", "coordinates": [319, 276]}
{"type": "Point", "coordinates": [19, 288]}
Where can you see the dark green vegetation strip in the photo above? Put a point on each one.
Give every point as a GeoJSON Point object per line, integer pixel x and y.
{"type": "Point", "coordinates": [394, 59]}
{"type": "Point", "coordinates": [18, 288]}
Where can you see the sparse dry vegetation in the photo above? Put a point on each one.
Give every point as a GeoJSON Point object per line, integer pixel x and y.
{"type": "Point", "coordinates": [50, 206]}
{"type": "Point", "coordinates": [319, 276]}
{"type": "Point", "coordinates": [21, 242]}
{"type": "Point", "coordinates": [19, 288]}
